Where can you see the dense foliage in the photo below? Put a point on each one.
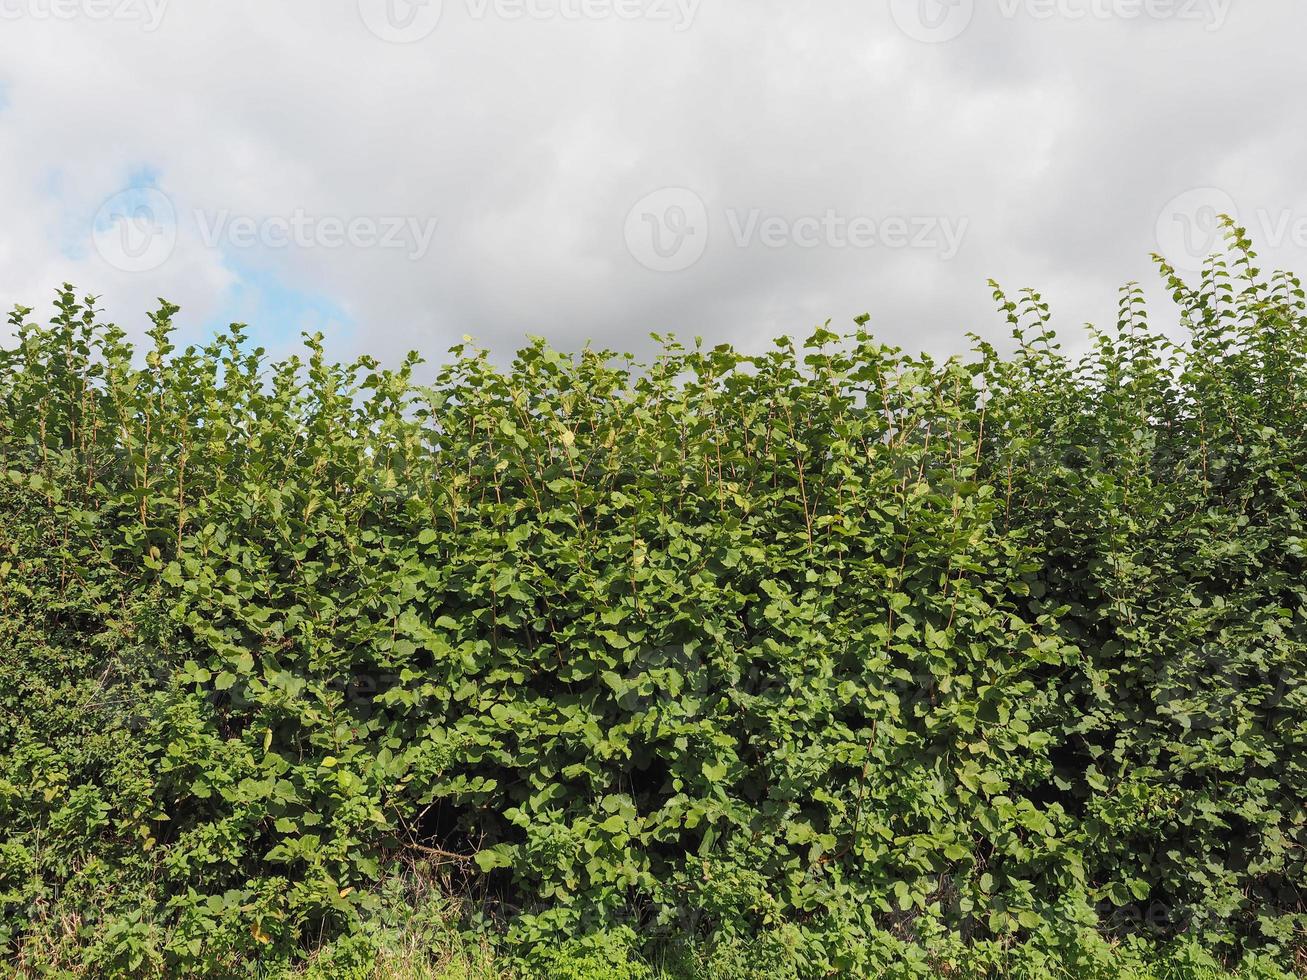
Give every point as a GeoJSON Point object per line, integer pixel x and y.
{"type": "Point", "coordinates": [835, 660]}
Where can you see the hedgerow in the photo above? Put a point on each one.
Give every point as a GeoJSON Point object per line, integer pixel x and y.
{"type": "Point", "coordinates": [831, 660]}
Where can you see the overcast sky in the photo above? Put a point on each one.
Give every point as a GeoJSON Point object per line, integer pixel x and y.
{"type": "Point", "coordinates": [398, 174]}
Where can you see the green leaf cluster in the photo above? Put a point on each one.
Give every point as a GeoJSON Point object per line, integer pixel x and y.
{"type": "Point", "coordinates": [831, 649]}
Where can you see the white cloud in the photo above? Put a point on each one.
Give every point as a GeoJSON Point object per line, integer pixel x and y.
{"type": "Point", "coordinates": [528, 130]}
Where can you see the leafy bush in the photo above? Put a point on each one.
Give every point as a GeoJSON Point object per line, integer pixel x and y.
{"type": "Point", "coordinates": [832, 659]}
